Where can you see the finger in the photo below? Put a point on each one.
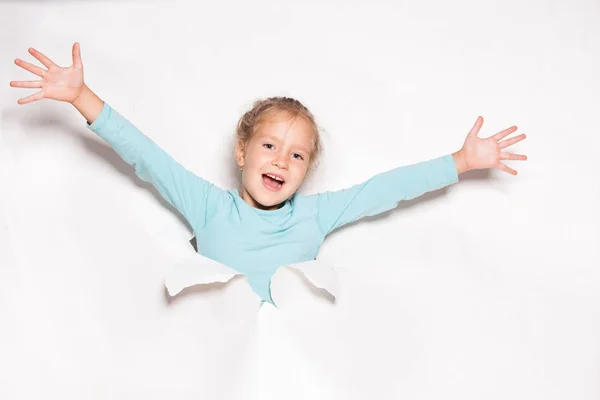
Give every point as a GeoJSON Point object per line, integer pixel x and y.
{"type": "Point", "coordinates": [475, 129]}
{"type": "Point", "coordinates": [504, 133]}
{"type": "Point", "coordinates": [26, 84]}
{"type": "Point", "coordinates": [509, 142]}
{"type": "Point", "coordinates": [511, 156]}
{"type": "Point", "coordinates": [42, 58]}
{"type": "Point", "coordinates": [506, 168]}
{"type": "Point", "coordinates": [34, 97]}
{"type": "Point", "coordinates": [77, 56]}
{"type": "Point", "coordinates": [30, 67]}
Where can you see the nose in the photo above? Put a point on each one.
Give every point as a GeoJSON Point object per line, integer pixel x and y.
{"type": "Point", "coordinates": [280, 161]}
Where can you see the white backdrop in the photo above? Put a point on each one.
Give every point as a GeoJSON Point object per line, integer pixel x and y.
{"type": "Point", "coordinates": [489, 289]}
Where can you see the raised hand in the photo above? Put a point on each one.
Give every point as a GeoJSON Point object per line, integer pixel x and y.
{"type": "Point", "coordinates": [478, 153]}
{"type": "Point", "coordinates": [57, 83]}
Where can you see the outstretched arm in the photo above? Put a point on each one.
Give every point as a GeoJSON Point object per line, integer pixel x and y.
{"type": "Point", "coordinates": [194, 197]}
{"type": "Point", "coordinates": [191, 195]}
{"type": "Point", "coordinates": [384, 191]}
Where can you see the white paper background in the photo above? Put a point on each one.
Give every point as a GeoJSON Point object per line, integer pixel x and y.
{"type": "Point", "coordinates": [489, 289]}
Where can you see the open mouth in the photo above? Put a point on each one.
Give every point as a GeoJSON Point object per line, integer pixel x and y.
{"type": "Point", "coordinates": [272, 182]}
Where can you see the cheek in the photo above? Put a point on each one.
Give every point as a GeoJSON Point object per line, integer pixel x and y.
{"type": "Point", "coordinates": [252, 159]}
{"type": "Point", "coordinates": [299, 171]}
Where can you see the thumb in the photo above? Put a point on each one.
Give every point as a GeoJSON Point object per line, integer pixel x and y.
{"type": "Point", "coordinates": [77, 56]}
{"type": "Point", "coordinates": [475, 129]}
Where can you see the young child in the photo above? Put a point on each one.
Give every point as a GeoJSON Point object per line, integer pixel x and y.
{"type": "Point", "coordinates": [264, 224]}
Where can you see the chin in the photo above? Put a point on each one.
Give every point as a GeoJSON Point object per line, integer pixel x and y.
{"type": "Point", "coordinates": [271, 199]}
{"type": "Point", "coordinates": [267, 199]}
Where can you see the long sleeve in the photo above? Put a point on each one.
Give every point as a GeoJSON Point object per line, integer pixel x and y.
{"type": "Point", "coordinates": [383, 192]}
{"type": "Point", "coordinates": [191, 195]}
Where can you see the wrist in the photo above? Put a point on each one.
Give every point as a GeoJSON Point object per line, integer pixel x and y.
{"type": "Point", "coordinates": [80, 97]}
{"type": "Point", "coordinates": [88, 104]}
{"type": "Point", "coordinates": [460, 161]}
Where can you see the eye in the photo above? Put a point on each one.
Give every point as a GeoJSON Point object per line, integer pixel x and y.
{"type": "Point", "coordinates": [299, 156]}
{"type": "Point", "coordinates": [268, 146]}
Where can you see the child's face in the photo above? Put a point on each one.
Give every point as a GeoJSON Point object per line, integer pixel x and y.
{"type": "Point", "coordinates": [282, 147]}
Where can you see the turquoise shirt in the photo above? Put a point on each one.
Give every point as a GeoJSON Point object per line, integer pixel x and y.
{"type": "Point", "coordinates": [256, 242]}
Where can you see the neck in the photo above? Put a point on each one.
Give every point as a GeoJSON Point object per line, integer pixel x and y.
{"type": "Point", "coordinates": [247, 197]}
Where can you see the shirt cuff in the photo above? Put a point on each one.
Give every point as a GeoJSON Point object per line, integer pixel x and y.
{"type": "Point", "coordinates": [101, 119]}
{"type": "Point", "coordinates": [449, 167]}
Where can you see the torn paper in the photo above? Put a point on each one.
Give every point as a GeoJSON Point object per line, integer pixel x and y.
{"type": "Point", "coordinates": [197, 270]}
{"type": "Point", "coordinates": [319, 277]}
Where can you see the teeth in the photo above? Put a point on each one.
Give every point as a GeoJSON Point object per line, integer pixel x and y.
{"type": "Point", "coordinates": [274, 177]}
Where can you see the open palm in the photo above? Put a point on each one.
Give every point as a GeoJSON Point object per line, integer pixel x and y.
{"type": "Point", "coordinates": [57, 83]}
{"type": "Point", "coordinates": [487, 153]}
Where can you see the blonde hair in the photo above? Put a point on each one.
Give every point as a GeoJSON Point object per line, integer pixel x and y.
{"type": "Point", "coordinates": [262, 109]}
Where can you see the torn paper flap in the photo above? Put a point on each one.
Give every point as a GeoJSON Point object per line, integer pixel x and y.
{"type": "Point", "coordinates": [197, 270]}
{"type": "Point", "coordinates": [319, 276]}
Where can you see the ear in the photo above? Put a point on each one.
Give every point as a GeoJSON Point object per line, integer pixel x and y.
{"type": "Point", "coordinates": [240, 154]}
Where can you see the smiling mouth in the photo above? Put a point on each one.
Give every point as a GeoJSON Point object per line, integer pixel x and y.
{"type": "Point", "coordinates": [272, 183]}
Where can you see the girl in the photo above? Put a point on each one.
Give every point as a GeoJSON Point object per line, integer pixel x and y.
{"type": "Point", "coordinates": [264, 224]}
